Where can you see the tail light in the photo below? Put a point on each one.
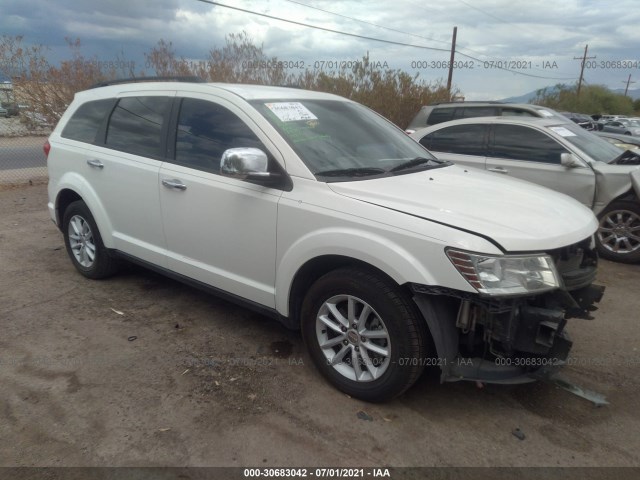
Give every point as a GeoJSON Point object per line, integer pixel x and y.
{"type": "Point", "coordinates": [47, 148]}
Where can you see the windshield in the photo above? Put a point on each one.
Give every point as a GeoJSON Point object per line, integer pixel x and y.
{"type": "Point", "coordinates": [337, 138]}
{"type": "Point", "coordinates": [597, 148]}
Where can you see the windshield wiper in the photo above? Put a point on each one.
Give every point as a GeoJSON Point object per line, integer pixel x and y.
{"type": "Point", "coordinates": [351, 172]}
{"type": "Point", "coordinates": [414, 162]}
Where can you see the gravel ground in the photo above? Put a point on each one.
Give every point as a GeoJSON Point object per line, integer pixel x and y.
{"type": "Point", "coordinates": [139, 370]}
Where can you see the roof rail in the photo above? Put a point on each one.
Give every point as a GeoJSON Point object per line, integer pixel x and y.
{"type": "Point", "coordinates": [189, 79]}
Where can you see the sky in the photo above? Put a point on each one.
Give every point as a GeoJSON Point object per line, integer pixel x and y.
{"type": "Point", "coordinates": [534, 41]}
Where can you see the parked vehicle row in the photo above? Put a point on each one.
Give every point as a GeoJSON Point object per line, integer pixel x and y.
{"type": "Point", "coordinates": [444, 112]}
{"type": "Point", "coordinates": [623, 126]}
{"type": "Point", "coordinates": [313, 209]}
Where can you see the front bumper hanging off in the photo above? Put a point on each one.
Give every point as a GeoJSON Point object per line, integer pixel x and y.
{"type": "Point", "coordinates": [510, 340]}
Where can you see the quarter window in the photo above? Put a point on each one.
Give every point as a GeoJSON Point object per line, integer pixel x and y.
{"type": "Point", "coordinates": [516, 142]}
{"type": "Point", "coordinates": [83, 126]}
{"type": "Point", "coordinates": [136, 125]}
{"type": "Point", "coordinates": [460, 139]}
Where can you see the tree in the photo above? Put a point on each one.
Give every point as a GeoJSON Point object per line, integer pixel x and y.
{"type": "Point", "coordinates": [593, 99]}
{"type": "Point", "coordinates": [48, 89]}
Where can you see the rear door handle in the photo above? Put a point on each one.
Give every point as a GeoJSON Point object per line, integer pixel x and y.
{"type": "Point", "coordinates": [174, 183]}
{"type": "Point", "coordinates": [498, 170]}
{"type": "Point", "coordinates": [95, 163]}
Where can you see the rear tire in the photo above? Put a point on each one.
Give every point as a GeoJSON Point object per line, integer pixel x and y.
{"type": "Point", "coordinates": [84, 243]}
{"type": "Point", "coordinates": [364, 334]}
{"type": "Point", "coordinates": [618, 236]}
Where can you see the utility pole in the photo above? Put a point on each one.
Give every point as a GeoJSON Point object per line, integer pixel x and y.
{"type": "Point", "coordinates": [453, 54]}
{"type": "Point", "coordinates": [627, 87]}
{"type": "Point", "coordinates": [584, 58]}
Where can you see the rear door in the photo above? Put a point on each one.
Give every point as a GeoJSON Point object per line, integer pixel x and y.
{"type": "Point", "coordinates": [121, 170]}
{"type": "Point", "coordinates": [529, 154]}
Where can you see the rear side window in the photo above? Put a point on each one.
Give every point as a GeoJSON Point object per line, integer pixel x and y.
{"type": "Point", "coordinates": [515, 112]}
{"type": "Point", "coordinates": [136, 125]}
{"type": "Point", "coordinates": [460, 139]}
{"type": "Point", "coordinates": [472, 112]}
{"type": "Point", "coordinates": [84, 124]}
{"type": "Point", "coordinates": [515, 142]}
{"type": "Point", "coordinates": [439, 115]}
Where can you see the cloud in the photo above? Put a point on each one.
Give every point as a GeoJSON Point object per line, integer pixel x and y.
{"type": "Point", "coordinates": [489, 30]}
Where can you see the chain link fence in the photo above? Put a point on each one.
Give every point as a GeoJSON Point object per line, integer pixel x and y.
{"type": "Point", "coordinates": [22, 159]}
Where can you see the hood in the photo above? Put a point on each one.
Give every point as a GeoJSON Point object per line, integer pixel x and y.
{"type": "Point", "coordinates": [517, 215]}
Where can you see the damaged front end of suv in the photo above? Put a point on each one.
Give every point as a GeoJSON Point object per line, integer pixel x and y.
{"type": "Point", "coordinates": [513, 329]}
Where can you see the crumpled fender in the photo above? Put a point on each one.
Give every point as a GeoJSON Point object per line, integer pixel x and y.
{"type": "Point", "coordinates": [635, 181]}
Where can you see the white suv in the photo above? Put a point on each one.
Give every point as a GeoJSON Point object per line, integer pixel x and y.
{"type": "Point", "coordinates": [317, 211]}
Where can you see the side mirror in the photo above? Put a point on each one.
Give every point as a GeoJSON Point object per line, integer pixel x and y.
{"type": "Point", "coordinates": [252, 165]}
{"type": "Point", "coordinates": [569, 160]}
{"type": "Point", "coordinates": [242, 162]}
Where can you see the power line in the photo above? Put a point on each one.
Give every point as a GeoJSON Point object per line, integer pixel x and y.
{"type": "Point", "coordinates": [368, 23]}
{"type": "Point", "coordinates": [364, 37]}
{"type": "Point", "coordinates": [520, 27]}
{"type": "Point", "coordinates": [374, 39]}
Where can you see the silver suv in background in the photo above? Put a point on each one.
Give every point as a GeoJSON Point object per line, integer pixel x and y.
{"type": "Point", "coordinates": [444, 112]}
{"type": "Point", "coordinates": [559, 155]}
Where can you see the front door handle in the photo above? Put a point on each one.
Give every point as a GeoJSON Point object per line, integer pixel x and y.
{"type": "Point", "coordinates": [95, 163]}
{"type": "Point", "coordinates": [174, 183]}
{"type": "Point", "coordinates": [498, 170]}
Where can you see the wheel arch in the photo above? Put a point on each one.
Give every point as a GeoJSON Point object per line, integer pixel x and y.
{"type": "Point", "coordinates": [321, 251]}
{"type": "Point", "coordinates": [74, 187]}
{"type": "Point", "coordinates": [63, 200]}
{"type": "Point", "coordinates": [632, 195]}
{"type": "Point", "coordinates": [315, 268]}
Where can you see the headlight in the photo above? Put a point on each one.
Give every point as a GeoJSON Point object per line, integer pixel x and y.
{"type": "Point", "coordinates": [506, 275]}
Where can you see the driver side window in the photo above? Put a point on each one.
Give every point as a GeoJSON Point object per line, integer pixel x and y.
{"type": "Point", "coordinates": [205, 131]}
{"type": "Point", "coordinates": [517, 142]}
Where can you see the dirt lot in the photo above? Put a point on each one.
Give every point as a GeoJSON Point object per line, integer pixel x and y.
{"type": "Point", "coordinates": [139, 370]}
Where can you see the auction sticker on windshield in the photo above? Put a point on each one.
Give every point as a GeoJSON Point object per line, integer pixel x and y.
{"type": "Point", "coordinates": [563, 132]}
{"type": "Point", "coordinates": [291, 111]}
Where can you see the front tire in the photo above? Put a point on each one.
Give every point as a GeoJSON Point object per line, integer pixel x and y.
{"type": "Point", "coordinates": [364, 334]}
{"type": "Point", "coordinates": [618, 235]}
{"type": "Point", "coordinates": [84, 243]}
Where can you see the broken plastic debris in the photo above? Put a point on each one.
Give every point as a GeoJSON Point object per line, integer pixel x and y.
{"type": "Point", "coordinates": [519, 434]}
{"type": "Point", "coordinates": [185, 371]}
{"type": "Point", "coordinates": [596, 398]}
{"type": "Point", "coordinates": [362, 415]}
{"type": "Point", "coordinates": [117, 311]}
{"type": "Point", "coordinates": [132, 338]}
{"type": "Point", "coordinates": [164, 429]}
